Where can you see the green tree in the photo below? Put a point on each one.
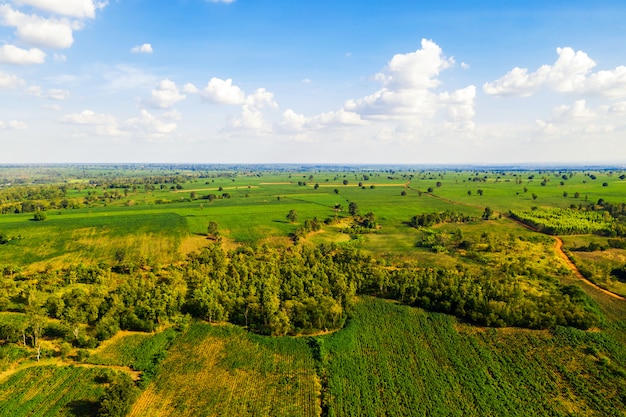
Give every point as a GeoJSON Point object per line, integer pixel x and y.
{"type": "Point", "coordinates": [487, 213]}
{"type": "Point", "coordinates": [118, 397]}
{"type": "Point", "coordinates": [292, 216]}
{"type": "Point", "coordinates": [39, 216]}
{"type": "Point", "coordinates": [213, 230]}
{"type": "Point", "coordinates": [353, 208]}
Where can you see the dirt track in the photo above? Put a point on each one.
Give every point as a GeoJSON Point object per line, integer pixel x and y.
{"type": "Point", "coordinates": [558, 247]}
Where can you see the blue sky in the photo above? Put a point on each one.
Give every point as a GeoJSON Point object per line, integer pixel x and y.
{"type": "Point", "coordinates": [253, 81]}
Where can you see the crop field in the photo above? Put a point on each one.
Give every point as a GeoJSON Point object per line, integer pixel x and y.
{"type": "Point", "coordinates": [51, 391]}
{"type": "Point", "coordinates": [223, 371]}
{"type": "Point", "coordinates": [394, 360]}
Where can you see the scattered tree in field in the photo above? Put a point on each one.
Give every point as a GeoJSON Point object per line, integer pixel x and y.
{"type": "Point", "coordinates": [403, 193]}
{"type": "Point", "coordinates": [39, 216]}
{"type": "Point", "coordinates": [353, 208]}
{"type": "Point", "coordinates": [345, 182]}
{"type": "Point", "coordinates": [213, 230]}
{"type": "Point", "coordinates": [292, 216]}
{"type": "Point", "coordinates": [534, 196]}
{"type": "Point", "coordinates": [480, 192]}
{"type": "Point", "coordinates": [487, 213]}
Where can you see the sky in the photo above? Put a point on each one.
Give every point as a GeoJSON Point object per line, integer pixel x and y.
{"type": "Point", "coordinates": [313, 81]}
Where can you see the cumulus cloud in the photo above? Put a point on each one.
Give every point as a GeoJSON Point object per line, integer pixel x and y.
{"type": "Point", "coordinates": [165, 95]}
{"type": "Point", "coordinates": [571, 73]}
{"type": "Point", "coordinates": [146, 48]}
{"type": "Point", "coordinates": [578, 120]}
{"type": "Point", "coordinates": [9, 81]}
{"type": "Point", "coordinates": [39, 31]}
{"type": "Point", "coordinates": [415, 70]}
{"type": "Point", "coordinates": [72, 8]}
{"type": "Point", "coordinates": [104, 124]}
{"type": "Point", "coordinates": [11, 54]}
{"type": "Point", "coordinates": [250, 119]}
{"type": "Point", "coordinates": [149, 125]}
{"type": "Point", "coordinates": [408, 93]}
{"type": "Point", "coordinates": [224, 92]}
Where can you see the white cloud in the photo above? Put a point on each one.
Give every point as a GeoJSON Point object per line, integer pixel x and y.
{"type": "Point", "coordinates": [250, 119]}
{"type": "Point", "coordinates": [60, 58]}
{"type": "Point", "coordinates": [11, 54]}
{"type": "Point", "coordinates": [223, 92]}
{"type": "Point", "coordinates": [261, 98]}
{"type": "Point", "coordinates": [146, 48]}
{"type": "Point", "coordinates": [104, 124]}
{"type": "Point", "coordinates": [149, 125]}
{"type": "Point", "coordinates": [415, 70]}
{"type": "Point", "coordinates": [165, 95]}
{"type": "Point", "coordinates": [190, 89]}
{"type": "Point", "coordinates": [88, 117]}
{"type": "Point", "coordinates": [13, 125]}
{"type": "Point", "coordinates": [38, 31]}
{"type": "Point", "coordinates": [58, 94]}
{"type": "Point", "coordinates": [73, 8]}
{"type": "Point", "coordinates": [408, 95]}
{"type": "Point", "coordinates": [571, 73]}
{"type": "Point", "coordinates": [10, 81]}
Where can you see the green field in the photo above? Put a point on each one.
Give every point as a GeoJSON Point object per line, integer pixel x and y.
{"type": "Point", "coordinates": [165, 273]}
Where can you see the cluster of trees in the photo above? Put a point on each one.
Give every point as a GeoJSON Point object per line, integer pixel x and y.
{"type": "Point", "coordinates": [300, 289]}
{"type": "Point", "coordinates": [432, 219]}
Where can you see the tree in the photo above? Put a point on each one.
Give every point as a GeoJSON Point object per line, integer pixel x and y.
{"type": "Point", "coordinates": [353, 208]}
{"type": "Point", "coordinates": [487, 213]}
{"type": "Point", "coordinates": [480, 192]}
{"type": "Point", "coordinates": [118, 397]}
{"type": "Point", "coordinates": [213, 230]}
{"type": "Point", "coordinates": [39, 216]}
{"type": "Point", "coordinates": [292, 216]}
{"type": "Point", "coordinates": [345, 182]}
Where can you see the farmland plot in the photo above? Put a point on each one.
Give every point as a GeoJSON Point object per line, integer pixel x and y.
{"type": "Point", "coordinates": [224, 371]}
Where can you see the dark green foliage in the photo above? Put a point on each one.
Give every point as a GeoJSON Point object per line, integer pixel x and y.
{"type": "Point", "coordinates": [118, 397]}
{"type": "Point", "coordinates": [39, 216]}
{"type": "Point", "coordinates": [432, 219]}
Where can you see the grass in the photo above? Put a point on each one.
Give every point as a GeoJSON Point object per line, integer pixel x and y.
{"type": "Point", "coordinates": [223, 370]}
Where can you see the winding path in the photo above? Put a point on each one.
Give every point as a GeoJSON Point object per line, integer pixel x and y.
{"type": "Point", "coordinates": [558, 247]}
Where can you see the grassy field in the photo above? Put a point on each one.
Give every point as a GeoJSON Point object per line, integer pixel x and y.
{"type": "Point", "coordinates": [224, 371]}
